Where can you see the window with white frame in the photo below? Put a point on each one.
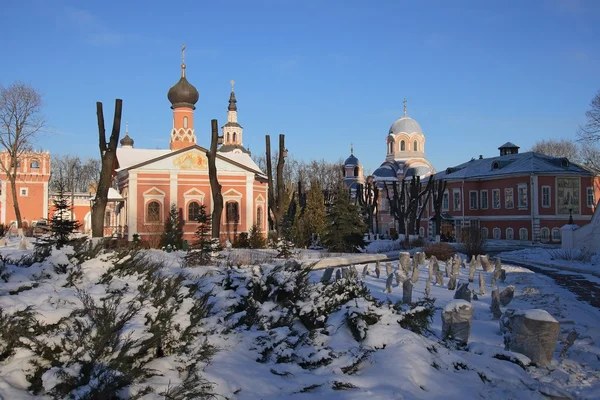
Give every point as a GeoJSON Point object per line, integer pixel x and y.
{"type": "Point", "coordinates": [473, 200]}
{"type": "Point", "coordinates": [497, 233]}
{"type": "Point", "coordinates": [509, 201]}
{"type": "Point", "coordinates": [422, 232]}
{"type": "Point", "coordinates": [24, 192]}
{"type": "Point", "coordinates": [590, 197]}
{"type": "Point", "coordinates": [523, 234]}
{"type": "Point", "coordinates": [153, 211]}
{"type": "Point", "coordinates": [496, 199]}
{"type": "Point", "coordinates": [510, 234]}
{"type": "Point", "coordinates": [456, 199]}
{"type": "Point", "coordinates": [446, 201]}
{"type": "Point", "coordinates": [193, 210]}
{"type": "Point", "coordinates": [522, 195]}
{"type": "Point", "coordinates": [546, 196]}
{"type": "Point", "coordinates": [545, 235]}
{"type": "Point", "coordinates": [555, 235]}
{"type": "Point", "coordinates": [484, 233]}
{"type": "Point", "coordinates": [483, 202]}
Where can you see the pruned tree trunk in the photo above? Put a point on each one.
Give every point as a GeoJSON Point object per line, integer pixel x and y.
{"type": "Point", "coordinates": [276, 198]}
{"type": "Point", "coordinates": [427, 193]}
{"type": "Point", "coordinates": [108, 155]}
{"type": "Point", "coordinates": [438, 189]}
{"type": "Point", "coordinates": [215, 186]}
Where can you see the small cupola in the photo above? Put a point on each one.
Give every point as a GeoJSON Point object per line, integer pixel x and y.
{"type": "Point", "coordinates": [508, 148]}
{"type": "Point", "coordinates": [127, 141]}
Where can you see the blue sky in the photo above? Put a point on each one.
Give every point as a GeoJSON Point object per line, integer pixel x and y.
{"type": "Point", "coordinates": [326, 73]}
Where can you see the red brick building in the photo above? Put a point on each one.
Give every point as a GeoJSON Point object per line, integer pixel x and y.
{"type": "Point", "coordinates": [520, 196]}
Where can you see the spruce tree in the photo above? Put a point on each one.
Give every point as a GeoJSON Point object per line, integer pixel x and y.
{"type": "Point", "coordinates": [200, 251]}
{"type": "Point", "coordinates": [173, 233]}
{"type": "Point", "coordinates": [256, 238]}
{"type": "Point", "coordinates": [345, 226]}
{"type": "Point", "coordinates": [311, 223]}
{"type": "Point", "coordinates": [61, 225]}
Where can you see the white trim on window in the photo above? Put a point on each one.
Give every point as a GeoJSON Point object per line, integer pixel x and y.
{"type": "Point", "coordinates": [456, 200]}
{"type": "Point", "coordinates": [590, 197]}
{"type": "Point", "coordinates": [446, 200]}
{"type": "Point", "coordinates": [473, 200]}
{"type": "Point", "coordinates": [24, 192]}
{"type": "Point", "coordinates": [523, 234]}
{"type": "Point", "coordinates": [497, 233]}
{"type": "Point", "coordinates": [545, 235]}
{"type": "Point", "coordinates": [522, 199]}
{"type": "Point", "coordinates": [546, 196]}
{"type": "Point", "coordinates": [496, 194]}
{"type": "Point", "coordinates": [509, 198]}
{"type": "Point", "coordinates": [483, 205]}
{"type": "Point", "coordinates": [555, 235]}
{"type": "Point", "coordinates": [510, 234]}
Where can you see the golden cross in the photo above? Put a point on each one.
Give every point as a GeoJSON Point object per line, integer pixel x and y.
{"type": "Point", "coordinates": [232, 83]}
{"type": "Point", "coordinates": [183, 54]}
{"type": "Point", "coordinates": [404, 107]}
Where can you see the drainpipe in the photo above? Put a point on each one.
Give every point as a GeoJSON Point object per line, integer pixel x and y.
{"type": "Point", "coordinates": [531, 205]}
{"type": "Point", "coordinates": [463, 205]}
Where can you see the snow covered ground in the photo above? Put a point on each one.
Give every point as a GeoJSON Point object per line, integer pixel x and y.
{"type": "Point", "coordinates": [273, 359]}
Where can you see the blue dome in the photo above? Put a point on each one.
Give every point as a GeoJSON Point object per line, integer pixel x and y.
{"type": "Point", "coordinates": [351, 161]}
{"type": "Point", "coordinates": [385, 171]}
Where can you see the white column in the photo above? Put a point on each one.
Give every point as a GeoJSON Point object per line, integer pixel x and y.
{"type": "Point", "coordinates": [173, 188]}
{"type": "Point", "coordinates": [249, 201]}
{"type": "Point", "coordinates": [3, 203]}
{"type": "Point", "coordinates": [45, 205]}
{"type": "Point", "coordinates": [132, 207]}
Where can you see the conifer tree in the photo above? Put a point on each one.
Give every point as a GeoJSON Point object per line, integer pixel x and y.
{"type": "Point", "coordinates": [311, 221]}
{"type": "Point", "coordinates": [173, 233]}
{"type": "Point", "coordinates": [345, 226]}
{"type": "Point", "coordinates": [61, 225]}
{"type": "Point", "coordinates": [200, 251]}
{"type": "Point", "coordinates": [256, 238]}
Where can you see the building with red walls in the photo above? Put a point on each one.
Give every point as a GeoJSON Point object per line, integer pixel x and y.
{"type": "Point", "coordinates": [150, 181]}
{"type": "Point", "coordinates": [515, 196]}
{"type": "Point", "coordinates": [33, 174]}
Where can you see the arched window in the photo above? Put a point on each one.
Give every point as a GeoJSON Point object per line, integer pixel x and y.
{"type": "Point", "coordinates": [107, 217]}
{"type": "Point", "coordinates": [228, 138]}
{"type": "Point", "coordinates": [510, 234]}
{"type": "Point", "coordinates": [185, 122]}
{"type": "Point", "coordinates": [232, 214]}
{"type": "Point", "coordinates": [523, 234]}
{"type": "Point", "coordinates": [402, 145]}
{"type": "Point", "coordinates": [484, 233]}
{"type": "Point", "coordinates": [545, 235]}
{"type": "Point", "coordinates": [497, 233]}
{"type": "Point", "coordinates": [422, 232]}
{"type": "Point", "coordinates": [555, 235]}
{"type": "Point", "coordinates": [391, 147]}
{"type": "Point", "coordinates": [193, 211]}
{"type": "Point", "coordinates": [415, 146]}
{"type": "Point", "coordinates": [234, 137]}
{"type": "Point", "coordinates": [355, 171]}
{"type": "Point", "coordinates": [35, 164]}
{"type": "Point", "coordinates": [259, 216]}
{"type": "Point", "coordinates": [153, 211]}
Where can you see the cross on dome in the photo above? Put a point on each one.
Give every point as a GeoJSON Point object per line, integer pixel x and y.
{"type": "Point", "coordinates": [232, 84]}
{"type": "Point", "coordinates": [404, 106]}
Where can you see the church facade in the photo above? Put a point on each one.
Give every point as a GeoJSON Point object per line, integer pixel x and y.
{"type": "Point", "coordinates": [151, 181]}
{"type": "Point", "coordinates": [405, 158]}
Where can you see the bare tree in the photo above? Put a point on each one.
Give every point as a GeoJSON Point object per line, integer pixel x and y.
{"type": "Point", "coordinates": [108, 154]}
{"type": "Point", "coordinates": [81, 175]}
{"type": "Point", "coordinates": [276, 197]}
{"type": "Point", "coordinates": [590, 131]}
{"type": "Point", "coordinates": [558, 148]}
{"type": "Point", "coordinates": [20, 120]}
{"type": "Point", "coordinates": [438, 189]}
{"type": "Point", "coordinates": [215, 186]}
{"type": "Point", "coordinates": [589, 134]}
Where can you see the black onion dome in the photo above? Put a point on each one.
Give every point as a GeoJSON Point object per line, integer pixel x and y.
{"type": "Point", "coordinates": [232, 102]}
{"type": "Point", "coordinates": [351, 161]}
{"type": "Point", "coordinates": [127, 141]}
{"type": "Point", "coordinates": [183, 94]}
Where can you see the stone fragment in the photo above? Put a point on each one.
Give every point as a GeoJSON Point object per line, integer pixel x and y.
{"type": "Point", "coordinates": [327, 275]}
{"type": "Point", "coordinates": [481, 285]}
{"type": "Point", "coordinates": [471, 272]}
{"type": "Point", "coordinates": [452, 282]}
{"type": "Point", "coordinates": [463, 292]}
{"type": "Point", "coordinates": [407, 288]}
{"type": "Point", "coordinates": [439, 278]}
{"type": "Point", "coordinates": [495, 307]}
{"type": "Point", "coordinates": [427, 288]}
{"type": "Point", "coordinates": [404, 261]}
{"type": "Point", "coordinates": [338, 274]}
{"type": "Point", "coordinates": [507, 295]}
{"type": "Point", "coordinates": [532, 333]}
{"type": "Point", "coordinates": [365, 272]}
{"type": "Point", "coordinates": [377, 269]}
{"type": "Point", "coordinates": [415, 274]}
{"type": "Point", "coordinates": [388, 283]}
{"type": "Point", "coordinates": [498, 264]}
{"type": "Point", "coordinates": [431, 273]}
{"type": "Point", "coordinates": [485, 263]}
{"type": "Point", "coordinates": [345, 272]}
{"type": "Point", "coordinates": [448, 267]}
{"type": "Point", "coordinates": [456, 266]}
{"type": "Point", "coordinates": [457, 318]}
{"type": "Point", "coordinates": [388, 268]}
{"type": "Point", "coordinates": [436, 265]}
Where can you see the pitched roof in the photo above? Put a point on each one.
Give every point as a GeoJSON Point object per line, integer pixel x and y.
{"type": "Point", "coordinates": [513, 164]}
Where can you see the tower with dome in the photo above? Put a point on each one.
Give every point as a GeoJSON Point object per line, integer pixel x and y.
{"type": "Point", "coordinates": [405, 158]}
{"type": "Point", "coordinates": [151, 181]}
